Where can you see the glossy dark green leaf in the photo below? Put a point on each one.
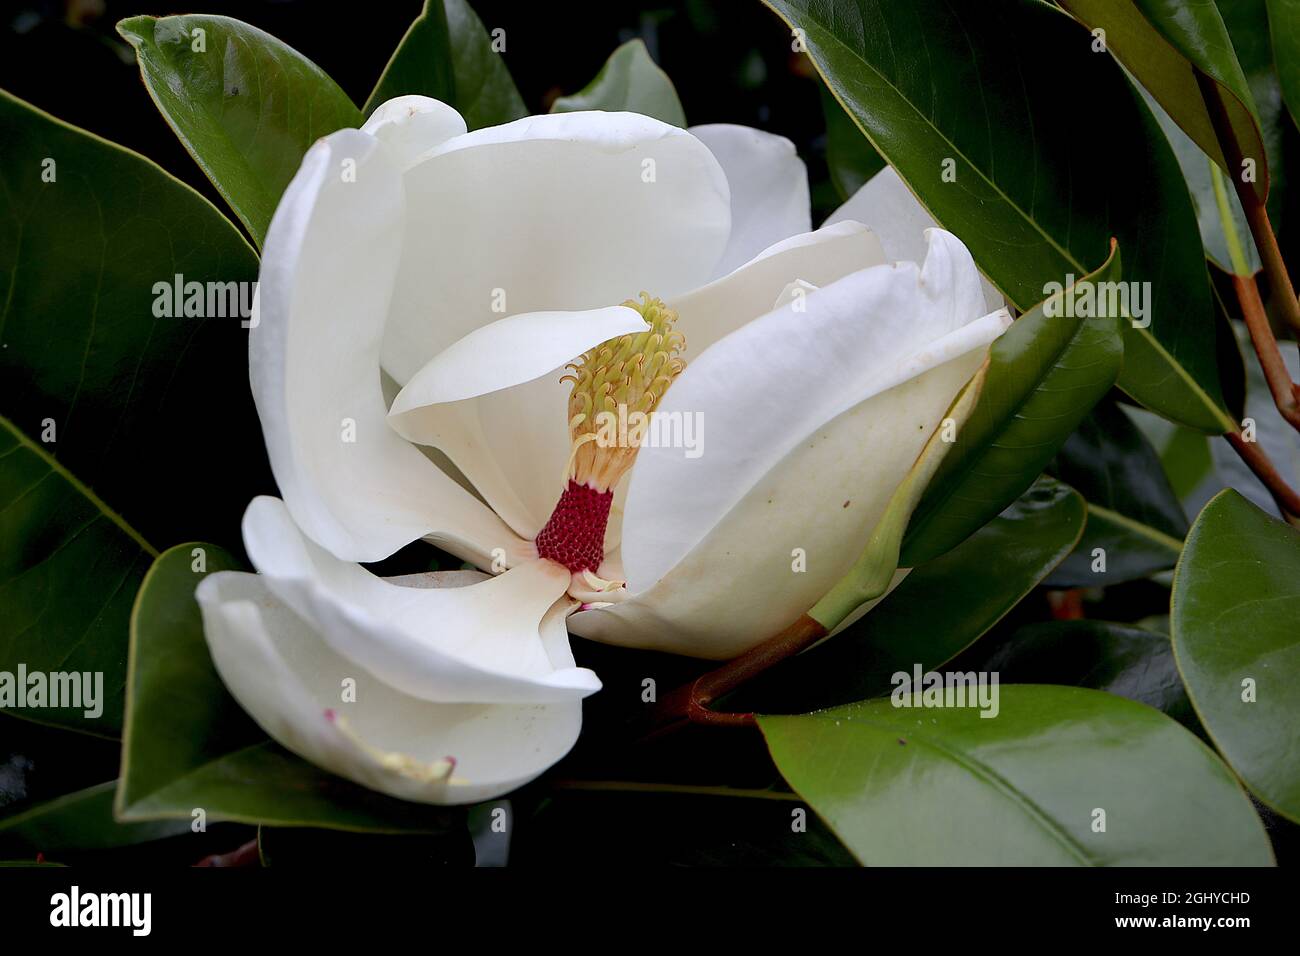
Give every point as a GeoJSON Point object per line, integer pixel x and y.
{"type": "Point", "coordinates": [187, 744]}
{"type": "Point", "coordinates": [1284, 28]}
{"type": "Point", "coordinates": [80, 821]}
{"type": "Point", "coordinates": [245, 105]}
{"type": "Point", "coordinates": [147, 410]}
{"type": "Point", "coordinates": [940, 608]}
{"type": "Point", "coordinates": [108, 408]}
{"type": "Point", "coordinates": [478, 83]}
{"type": "Point", "coordinates": [422, 62]}
{"type": "Point", "coordinates": [1044, 373]}
{"type": "Point", "coordinates": [630, 80]}
{"type": "Point", "coordinates": [1120, 659]}
{"type": "Point", "coordinates": [1133, 514]}
{"type": "Point", "coordinates": [1172, 46]}
{"type": "Point", "coordinates": [1038, 192]}
{"type": "Point", "coordinates": [944, 786]}
{"type": "Point", "coordinates": [850, 157]}
{"type": "Point", "coordinates": [1247, 25]}
{"type": "Point", "coordinates": [69, 570]}
{"type": "Point", "coordinates": [1184, 453]}
{"type": "Point", "coordinates": [1234, 614]}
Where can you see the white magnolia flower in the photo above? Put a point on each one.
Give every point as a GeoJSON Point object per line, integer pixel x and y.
{"type": "Point", "coordinates": [471, 268]}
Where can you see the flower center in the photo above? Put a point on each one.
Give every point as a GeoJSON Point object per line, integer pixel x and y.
{"type": "Point", "coordinates": [616, 387]}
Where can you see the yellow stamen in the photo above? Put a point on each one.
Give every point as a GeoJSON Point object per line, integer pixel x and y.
{"type": "Point", "coordinates": [616, 387]}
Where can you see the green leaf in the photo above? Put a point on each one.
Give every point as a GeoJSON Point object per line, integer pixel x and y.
{"type": "Point", "coordinates": [107, 408]}
{"type": "Point", "coordinates": [1120, 659]}
{"type": "Point", "coordinates": [80, 821]}
{"type": "Point", "coordinates": [1133, 514]}
{"type": "Point", "coordinates": [1235, 605]}
{"type": "Point", "coordinates": [478, 83]}
{"type": "Point", "coordinates": [244, 105]}
{"type": "Point", "coordinates": [1172, 46]}
{"type": "Point", "coordinates": [68, 574]}
{"type": "Point", "coordinates": [849, 155]}
{"type": "Point", "coordinates": [188, 745]}
{"type": "Point", "coordinates": [1044, 373]}
{"type": "Point", "coordinates": [422, 62]}
{"type": "Point", "coordinates": [939, 609]}
{"type": "Point", "coordinates": [1284, 28]}
{"type": "Point", "coordinates": [942, 786]}
{"type": "Point", "coordinates": [630, 80]}
{"type": "Point", "coordinates": [1038, 193]}
{"type": "Point", "coordinates": [871, 575]}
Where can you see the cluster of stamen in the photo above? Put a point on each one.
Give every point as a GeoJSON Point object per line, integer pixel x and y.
{"type": "Point", "coordinates": [616, 387]}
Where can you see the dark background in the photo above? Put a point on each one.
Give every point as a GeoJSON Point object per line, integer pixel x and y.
{"type": "Point", "coordinates": [731, 61]}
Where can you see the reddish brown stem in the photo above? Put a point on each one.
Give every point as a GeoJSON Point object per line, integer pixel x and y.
{"type": "Point", "coordinates": [689, 704]}
{"type": "Point", "coordinates": [1286, 396]}
{"type": "Point", "coordinates": [1258, 462]}
{"type": "Point", "coordinates": [1261, 229]}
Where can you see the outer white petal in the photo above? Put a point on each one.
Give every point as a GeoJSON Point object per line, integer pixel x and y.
{"type": "Point", "coordinates": [819, 258]}
{"type": "Point", "coordinates": [769, 189]}
{"type": "Point", "coordinates": [326, 281]}
{"type": "Point", "coordinates": [567, 211]}
{"type": "Point", "coordinates": [494, 404]}
{"type": "Point", "coordinates": [772, 384]}
{"type": "Point", "coordinates": [475, 644]}
{"type": "Point", "coordinates": [818, 504]}
{"type": "Point", "coordinates": [288, 680]}
{"type": "Point", "coordinates": [888, 208]}
{"type": "Point", "coordinates": [412, 125]}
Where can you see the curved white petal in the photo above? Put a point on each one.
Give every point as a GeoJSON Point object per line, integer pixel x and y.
{"type": "Point", "coordinates": [328, 266]}
{"type": "Point", "coordinates": [769, 386]}
{"type": "Point", "coordinates": [888, 208]}
{"type": "Point", "coordinates": [476, 644]}
{"type": "Point", "coordinates": [796, 532]}
{"type": "Point", "coordinates": [412, 125]}
{"type": "Point", "coordinates": [512, 446]}
{"type": "Point", "coordinates": [769, 189]}
{"type": "Point", "coordinates": [508, 352]}
{"type": "Point", "coordinates": [707, 314]}
{"type": "Point", "coordinates": [290, 681]}
{"type": "Point", "coordinates": [568, 211]}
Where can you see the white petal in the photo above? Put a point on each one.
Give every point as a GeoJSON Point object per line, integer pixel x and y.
{"type": "Point", "coordinates": [509, 352]}
{"type": "Point", "coordinates": [476, 644]}
{"type": "Point", "coordinates": [412, 125]}
{"type": "Point", "coordinates": [510, 442]}
{"type": "Point", "coordinates": [769, 189]}
{"type": "Point", "coordinates": [327, 273]}
{"type": "Point", "coordinates": [289, 681]}
{"type": "Point", "coordinates": [772, 384]}
{"type": "Point", "coordinates": [801, 527]}
{"type": "Point", "coordinates": [819, 258]}
{"type": "Point", "coordinates": [562, 212]}
{"type": "Point", "coordinates": [888, 208]}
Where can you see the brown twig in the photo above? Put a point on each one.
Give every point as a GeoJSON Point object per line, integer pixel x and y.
{"type": "Point", "coordinates": [1261, 229]}
{"type": "Point", "coordinates": [1286, 395]}
{"type": "Point", "coordinates": [689, 704]}
{"type": "Point", "coordinates": [1258, 461]}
